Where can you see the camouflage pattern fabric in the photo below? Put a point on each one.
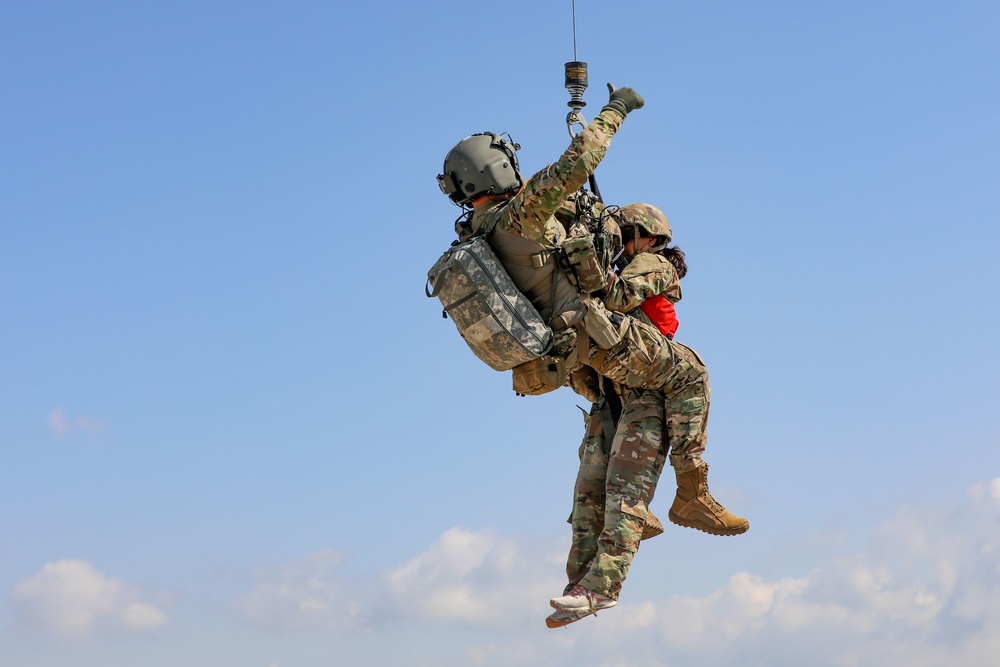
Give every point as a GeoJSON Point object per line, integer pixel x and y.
{"type": "Point", "coordinates": [648, 217]}
{"type": "Point", "coordinates": [528, 226]}
{"type": "Point", "coordinates": [500, 325]}
{"type": "Point", "coordinates": [675, 368]}
{"type": "Point", "coordinates": [587, 517]}
{"type": "Point", "coordinates": [525, 226]}
{"type": "Point", "coordinates": [647, 275]}
{"type": "Point", "coordinates": [646, 359]}
{"type": "Point", "coordinates": [615, 485]}
{"type": "Point", "coordinates": [687, 396]}
{"type": "Point", "coordinates": [613, 490]}
{"type": "Point", "coordinates": [531, 212]}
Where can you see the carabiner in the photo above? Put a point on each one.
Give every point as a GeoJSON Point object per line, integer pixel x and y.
{"type": "Point", "coordinates": [574, 117]}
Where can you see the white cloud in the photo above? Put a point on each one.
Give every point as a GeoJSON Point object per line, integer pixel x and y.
{"type": "Point", "coordinates": [61, 424]}
{"type": "Point", "coordinates": [307, 595]}
{"type": "Point", "coordinates": [69, 599]}
{"type": "Point", "coordinates": [142, 616]}
{"type": "Point", "coordinates": [474, 578]}
{"type": "Point", "coordinates": [467, 578]}
{"type": "Point", "coordinates": [924, 592]}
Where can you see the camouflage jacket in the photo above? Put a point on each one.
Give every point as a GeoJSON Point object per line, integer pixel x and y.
{"type": "Point", "coordinates": [646, 276]}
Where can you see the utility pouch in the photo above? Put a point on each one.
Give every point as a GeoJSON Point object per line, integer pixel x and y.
{"type": "Point", "coordinates": [590, 273]}
{"type": "Point", "coordinates": [599, 326]}
{"type": "Point", "coordinates": [586, 382]}
{"type": "Point", "coordinates": [539, 376]}
{"type": "Point", "coordinates": [640, 361]}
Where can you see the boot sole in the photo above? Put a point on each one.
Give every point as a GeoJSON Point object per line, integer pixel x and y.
{"type": "Point", "coordinates": [721, 532]}
{"type": "Point", "coordinates": [649, 533]}
{"type": "Point", "coordinates": [652, 528]}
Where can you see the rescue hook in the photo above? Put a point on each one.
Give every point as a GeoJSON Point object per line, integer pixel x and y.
{"type": "Point", "coordinates": [576, 84]}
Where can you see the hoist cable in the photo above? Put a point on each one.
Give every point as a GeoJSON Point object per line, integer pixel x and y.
{"type": "Point", "coordinates": [574, 29]}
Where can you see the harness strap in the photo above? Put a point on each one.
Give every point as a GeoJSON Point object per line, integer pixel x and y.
{"type": "Point", "coordinates": [611, 410]}
{"type": "Point", "coordinates": [538, 260]}
{"type": "Point", "coordinates": [598, 359]}
{"type": "Point", "coordinates": [582, 342]}
{"type": "Point", "coordinates": [607, 420]}
{"type": "Point", "coordinates": [567, 318]}
{"type": "Point", "coordinates": [612, 397]}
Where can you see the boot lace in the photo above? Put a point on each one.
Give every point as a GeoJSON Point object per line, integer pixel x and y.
{"type": "Point", "coordinates": [713, 504]}
{"type": "Point", "coordinates": [590, 596]}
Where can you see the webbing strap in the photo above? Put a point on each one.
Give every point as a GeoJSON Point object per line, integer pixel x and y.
{"type": "Point", "coordinates": [610, 406]}
{"type": "Point", "coordinates": [598, 359]}
{"type": "Point", "coordinates": [607, 421]}
{"type": "Point", "coordinates": [538, 260]}
{"type": "Point", "coordinates": [582, 348]}
{"type": "Point", "coordinates": [613, 399]}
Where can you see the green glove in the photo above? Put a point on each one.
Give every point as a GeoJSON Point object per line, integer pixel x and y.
{"type": "Point", "coordinates": [623, 100]}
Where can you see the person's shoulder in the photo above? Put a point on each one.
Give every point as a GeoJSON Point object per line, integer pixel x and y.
{"type": "Point", "coordinates": [647, 262]}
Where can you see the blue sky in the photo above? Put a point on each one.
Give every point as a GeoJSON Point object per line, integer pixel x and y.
{"type": "Point", "coordinates": [235, 432]}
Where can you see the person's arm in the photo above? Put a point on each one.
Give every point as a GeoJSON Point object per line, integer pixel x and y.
{"type": "Point", "coordinates": [647, 275]}
{"type": "Point", "coordinates": [528, 212]}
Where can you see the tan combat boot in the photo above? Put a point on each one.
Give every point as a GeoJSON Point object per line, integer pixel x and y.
{"type": "Point", "coordinates": [694, 506]}
{"type": "Point", "coordinates": [652, 528]}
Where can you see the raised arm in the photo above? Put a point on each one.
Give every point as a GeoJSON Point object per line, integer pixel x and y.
{"type": "Point", "coordinates": [528, 212]}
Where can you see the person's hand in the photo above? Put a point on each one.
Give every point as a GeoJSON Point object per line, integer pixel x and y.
{"type": "Point", "coordinates": [623, 100]}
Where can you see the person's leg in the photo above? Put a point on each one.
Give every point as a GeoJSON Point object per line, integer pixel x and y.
{"type": "Point", "coordinates": [645, 358]}
{"type": "Point", "coordinates": [687, 399]}
{"type": "Point", "coordinates": [634, 466]}
{"type": "Point", "coordinates": [587, 518]}
{"type": "Point", "coordinates": [687, 395]}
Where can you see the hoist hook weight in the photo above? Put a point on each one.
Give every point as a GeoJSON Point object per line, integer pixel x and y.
{"type": "Point", "coordinates": [576, 84]}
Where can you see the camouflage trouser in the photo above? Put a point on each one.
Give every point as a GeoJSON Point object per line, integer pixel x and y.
{"type": "Point", "coordinates": [613, 489]}
{"type": "Point", "coordinates": [646, 359]}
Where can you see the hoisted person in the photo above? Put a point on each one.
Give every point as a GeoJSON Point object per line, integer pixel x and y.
{"type": "Point", "coordinates": [618, 478]}
{"type": "Point", "coordinates": [518, 218]}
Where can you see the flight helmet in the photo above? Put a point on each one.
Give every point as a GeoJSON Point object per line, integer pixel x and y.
{"type": "Point", "coordinates": [485, 163]}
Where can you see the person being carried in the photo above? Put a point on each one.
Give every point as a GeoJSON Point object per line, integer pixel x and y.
{"type": "Point", "coordinates": [615, 484]}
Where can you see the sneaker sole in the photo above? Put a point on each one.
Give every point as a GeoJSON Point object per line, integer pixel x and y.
{"type": "Point", "coordinates": [561, 619]}
{"type": "Point", "coordinates": [722, 532]}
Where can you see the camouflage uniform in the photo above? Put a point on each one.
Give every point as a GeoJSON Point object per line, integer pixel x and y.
{"type": "Point", "coordinates": [526, 231]}
{"type": "Point", "coordinates": [612, 494]}
{"type": "Point", "coordinates": [616, 484]}
{"type": "Point", "coordinates": [686, 389]}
